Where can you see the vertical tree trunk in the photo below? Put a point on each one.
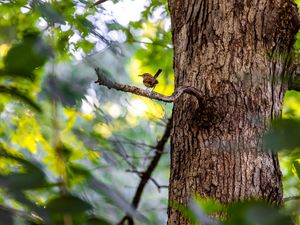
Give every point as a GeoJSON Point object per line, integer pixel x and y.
{"type": "Point", "coordinates": [236, 53]}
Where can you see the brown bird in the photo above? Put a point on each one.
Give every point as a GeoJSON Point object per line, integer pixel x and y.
{"type": "Point", "coordinates": [149, 80]}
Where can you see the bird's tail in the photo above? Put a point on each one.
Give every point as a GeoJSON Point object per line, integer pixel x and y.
{"type": "Point", "coordinates": [157, 73]}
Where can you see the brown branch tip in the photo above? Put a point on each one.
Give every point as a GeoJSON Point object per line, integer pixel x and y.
{"type": "Point", "coordinates": [103, 81]}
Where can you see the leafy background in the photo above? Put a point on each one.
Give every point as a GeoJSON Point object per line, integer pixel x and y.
{"type": "Point", "coordinates": [73, 152]}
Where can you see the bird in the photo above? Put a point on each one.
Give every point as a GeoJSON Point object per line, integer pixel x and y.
{"type": "Point", "coordinates": [150, 81]}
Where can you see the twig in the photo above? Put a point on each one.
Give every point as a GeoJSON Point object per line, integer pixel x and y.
{"type": "Point", "coordinates": [146, 176]}
{"type": "Point", "coordinates": [153, 95]}
{"type": "Point", "coordinates": [140, 174]}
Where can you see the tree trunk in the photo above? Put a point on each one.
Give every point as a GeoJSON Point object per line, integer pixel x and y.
{"type": "Point", "coordinates": [236, 53]}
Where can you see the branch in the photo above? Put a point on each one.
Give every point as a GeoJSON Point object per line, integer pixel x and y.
{"type": "Point", "coordinates": [146, 176]}
{"type": "Point", "coordinates": [153, 95]}
{"type": "Point", "coordinates": [291, 198]}
{"type": "Point", "coordinates": [140, 174]}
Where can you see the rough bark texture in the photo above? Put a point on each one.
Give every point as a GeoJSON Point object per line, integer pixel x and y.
{"type": "Point", "coordinates": [236, 53]}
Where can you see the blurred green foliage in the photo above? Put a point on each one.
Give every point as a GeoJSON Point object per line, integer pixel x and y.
{"type": "Point", "coordinates": [64, 151]}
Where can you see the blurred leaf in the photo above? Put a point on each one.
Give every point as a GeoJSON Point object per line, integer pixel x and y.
{"type": "Point", "coordinates": [187, 212]}
{"type": "Point", "coordinates": [21, 181]}
{"type": "Point", "coordinates": [15, 93]}
{"type": "Point", "coordinates": [114, 26]}
{"type": "Point", "coordinates": [32, 177]}
{"type": "Point", "coordinates": [283, 134]}
{"type": "Point", "coordinates": [253, 213]}
{"type": "Point", "coordinates": [68, 90]}
{"type": "Point", "coordinates": [79, 170]}
{"type": "Point", "coordinates": [28, 133]}
{"type": "Point", "coordinates": [48, 12]}
{"type": "Point", "coordinates": [86, 28]}
{"type": "Point", "coordinates": [22, 59]}
{"type": "Point", "coordinates": [65, 151]}
{"type": "Point", "coordinates": [21, 198]}
{"type": "Point", "coordinates": [209, 205]}
{"type": "Point", "coordinates": [296, 165]}
{"type": "Point", "coordinates": [85, 45]}
{"type": "Point", "coordinates": [68, 204]}
{"type": "Point", "coordinates": [201, 216]}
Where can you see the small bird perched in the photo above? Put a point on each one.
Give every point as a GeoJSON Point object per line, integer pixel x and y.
{"type": "Point", "coordinates": [149, 80]}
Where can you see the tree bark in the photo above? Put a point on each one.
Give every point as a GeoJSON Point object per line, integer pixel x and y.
{"type": "Point", "coordinates": [237, 54]}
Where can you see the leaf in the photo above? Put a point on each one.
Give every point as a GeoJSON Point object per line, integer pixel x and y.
{"type": "Point", "coordinates": [49, 12]}
{"type": "Point", "coordinates": [22, 198]}
{"type": "Point", "coordinates": [22, 59]}
{"type": "Point", "coordinates": [296, 165]}
{"type": "Point", "coordinates": [209, 205]}
{"type": "Point", "coordinates": [86, 27]}
{"type": "Point", "coordinates": [27, 133]}
{"type": "Point", "coordinates": [85, 45]}
{"type": "Point", "coordinates": [187, 212]}
{"type": "Point", "coordinates": [201, 216]}
{"type": "Point", "coordinates": [283, 134]}
{"type": "Point", "coordinates": [255, 212]}
{"type": "Point", "coordinates": [15, 93]}
{"type": "Point", "coordinates": [23, 181]}
{"type": "Point", "coordinates": [68, 90]}
{"type": "Point", "coordinates": [78, 170]}
{"type": "Point", "coordinates": [32, 177]}
{"type": "Point", "coordinates": [68, 204]}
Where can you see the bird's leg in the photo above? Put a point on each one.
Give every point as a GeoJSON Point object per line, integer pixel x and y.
{"type": "Point", "coordinates": [152, 90]}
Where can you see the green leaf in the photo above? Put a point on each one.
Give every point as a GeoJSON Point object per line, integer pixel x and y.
{"type": "Point", "coordinates": [22, 59]}
{"type": "Point", "coordinates": [23, 181]}
{"type": "Point", "coordinates": [296, 165]}
{"type": "Point", "coordinates": [185, 211]}
{"type": "Point", "coordinates": [114, 26]}
{"type": "Point", "coordinates": [32, 177]}
{"type": "Point", "coordinates": [15, 93]}
{"type": "Point", "coordinates": [209, 205]}
{"type": "Point", "coordinates": [79, 170]}
{"type": "Point", "coordinates": [283, 134]}
{"type": "Point", "coordinates": [85, 45]}
{"type": "Point", "coordinates": [49, 12]}
{"type": "Point", "coordinates": [255, 212]}
{"type": "Point", "coordinates": [68, 204]}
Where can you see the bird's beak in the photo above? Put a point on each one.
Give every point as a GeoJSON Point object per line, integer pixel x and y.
{"type": "Point", "coordinates": [140, 75]}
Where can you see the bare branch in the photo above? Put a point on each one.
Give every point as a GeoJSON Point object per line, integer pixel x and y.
{"type": "Point", "coordinates": [153, 95]}
{"type": "Point", "coordinates": [291, 198]}
{"type": "Point", "coordinates": [140, 174]}
{"type": "Point", "coordinates": [146, 176]}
